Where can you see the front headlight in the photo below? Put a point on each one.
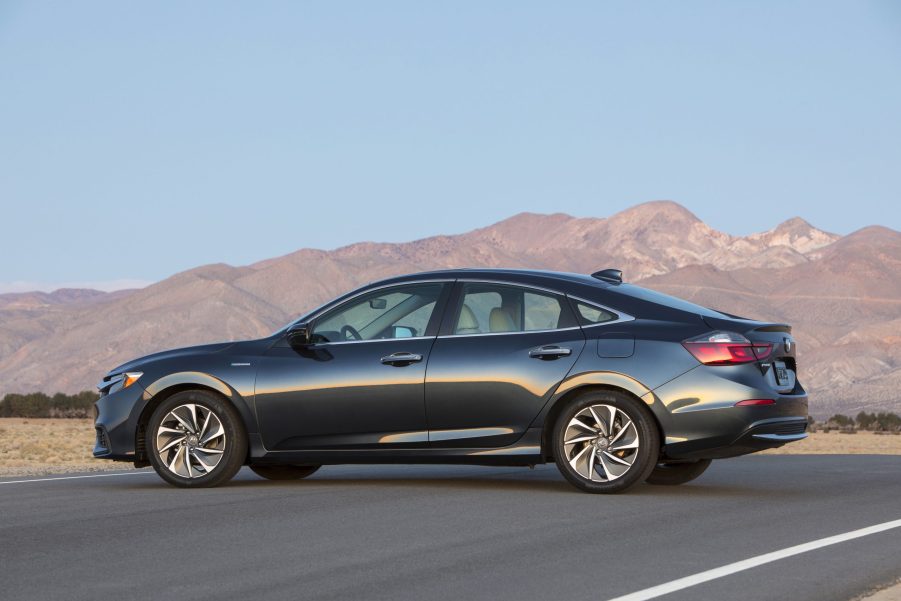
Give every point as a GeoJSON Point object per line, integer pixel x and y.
{"type": "Point", "coordinates": [119, 382]}
{"type": "Point", "coordinates": [130, 378]}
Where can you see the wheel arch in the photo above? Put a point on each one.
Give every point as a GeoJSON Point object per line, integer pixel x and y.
{"type": "Point", "coordinates": [596, 381]}
{"type": "Point", "coordinates": [165, 387]}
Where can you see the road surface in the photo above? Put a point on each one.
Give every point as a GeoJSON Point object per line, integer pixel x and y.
{"type": "Point", "coordinates": [455, 532]}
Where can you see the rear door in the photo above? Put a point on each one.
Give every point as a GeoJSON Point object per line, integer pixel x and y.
{"type": "Point", "coordinates": [502, 352]}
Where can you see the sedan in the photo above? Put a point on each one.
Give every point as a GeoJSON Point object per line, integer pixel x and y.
{"type": "Point", "coordinates": [615, 383]}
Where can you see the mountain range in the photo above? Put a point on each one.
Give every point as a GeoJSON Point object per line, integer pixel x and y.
{"type": "Point", "coordinates": [842, 294]}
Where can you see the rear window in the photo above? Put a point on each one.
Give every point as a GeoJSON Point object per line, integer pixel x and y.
{"type": "Point", "coordinates": [666, 300]}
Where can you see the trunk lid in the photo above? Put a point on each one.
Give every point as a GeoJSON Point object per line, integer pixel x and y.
{"type": "Point", "coordinates": [780, 368]}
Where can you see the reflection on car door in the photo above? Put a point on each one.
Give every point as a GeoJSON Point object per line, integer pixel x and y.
{"type": "Point", "coordinates": [353, 393]}
{"type": "Point", "coordinates": [502, 352]}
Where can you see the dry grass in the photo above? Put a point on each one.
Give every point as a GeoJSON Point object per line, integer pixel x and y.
{"type": "Point", "coordinates": [44, 446]}
{"type": "Point", "coordinates": [891, 592]}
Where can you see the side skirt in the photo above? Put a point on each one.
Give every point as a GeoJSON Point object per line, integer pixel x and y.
{"type": "Point", "coordinates": [525, 452]}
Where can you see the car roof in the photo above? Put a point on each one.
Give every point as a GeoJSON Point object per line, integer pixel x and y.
{"type": "Point", "coordinates": [552, 279]}
{"type": "Point", "coordinates": [624, 298]}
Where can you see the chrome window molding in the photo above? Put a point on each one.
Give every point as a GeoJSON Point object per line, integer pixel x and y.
{"type": "Point", "coordinates": [521, 332]}
{"type": "Point", "coordinates": [621, 317]}
{"type": "Point", "coordinates": [512, 284]}
{"type": "Point", "coordinates": [321, 344]}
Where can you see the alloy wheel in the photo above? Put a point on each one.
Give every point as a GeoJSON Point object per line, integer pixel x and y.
{"type": "Point", "coordinates": [190, 441]}
{"type": "Point", "coordinates": [601, 443]}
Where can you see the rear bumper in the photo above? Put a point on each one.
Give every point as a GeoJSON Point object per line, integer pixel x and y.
{"type": "Point", "coordinates": [762, 435]}
{"type": "Point", "coordinates": [700, 420]}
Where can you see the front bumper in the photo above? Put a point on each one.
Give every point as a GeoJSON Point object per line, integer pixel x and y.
{"type": "Point", "coordinates": [116, 422]}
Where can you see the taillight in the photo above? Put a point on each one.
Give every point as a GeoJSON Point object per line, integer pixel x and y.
{"type": "Point", "coordinates": [726, 348]}
{"type": "Point", "coordinates": [753, 402]}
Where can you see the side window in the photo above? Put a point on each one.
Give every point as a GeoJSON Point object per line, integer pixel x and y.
{"type": "Point", "coordinates": [542, 312]}
{"type": "Point", "coordinates": [400, 312]}
{"type": "Point", "coordinates": [496, 308]}
{"type": "Point", "coordinates": [475, 313]}
{"type": "Point", "coordinates": [590, 315]}
{"type": "Point", "coordinates": [416, 322]}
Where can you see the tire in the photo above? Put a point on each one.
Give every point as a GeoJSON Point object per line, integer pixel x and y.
{"type": "Point", "coordinates": [211, 436]}
{"type": "Point", "coordinates": [672, 474]}
{"type": "Point", "coordinates": [284, 472]}
{"type": "Point", "coordinates": [622, 456]}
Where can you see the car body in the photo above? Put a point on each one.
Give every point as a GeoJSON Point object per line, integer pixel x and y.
{"type": "Point", "coordinates": [471, 366]}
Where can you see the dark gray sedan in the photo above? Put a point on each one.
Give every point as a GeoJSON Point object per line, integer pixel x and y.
{"type": "Point", "coordinates": [615, 383]}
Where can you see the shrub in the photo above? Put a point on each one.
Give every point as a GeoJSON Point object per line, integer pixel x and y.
{"type": "Point", "coordinates": [38, 404]}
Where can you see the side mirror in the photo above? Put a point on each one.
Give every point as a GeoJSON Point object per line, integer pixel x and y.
{"type": "Point", "coordinates": [403, 332]}
{"type": "Point", "coordinates": [299, 334]}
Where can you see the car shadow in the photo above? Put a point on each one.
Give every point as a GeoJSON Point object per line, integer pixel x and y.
{"type": "Point", "coordinates": [538, 481]}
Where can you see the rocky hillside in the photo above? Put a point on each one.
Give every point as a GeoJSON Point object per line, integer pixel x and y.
{"type": "Point", "coordinates": [842, 294]}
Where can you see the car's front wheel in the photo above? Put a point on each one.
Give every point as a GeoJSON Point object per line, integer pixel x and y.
{"type": "Point", "coordinates": [673, 474]}
{"type": "Point", "coordinates": [605, 442]}
{"type": "Point", "coordinates": [195, 438]}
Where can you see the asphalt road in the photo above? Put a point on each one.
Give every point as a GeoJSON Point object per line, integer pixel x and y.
{"type": "Point", "coordinates": [420, 532]}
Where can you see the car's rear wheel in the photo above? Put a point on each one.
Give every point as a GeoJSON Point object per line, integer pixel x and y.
{"type": "Point", "coordinates": [284, 472]}
{"type": "Point", "coordinates": [672, 474]}
{"type": "Point", "coordinates": [605, 442]}
{"type": "Point", "coordinates": [196, 439]}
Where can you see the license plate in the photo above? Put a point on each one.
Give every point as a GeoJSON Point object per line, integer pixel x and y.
{"type": "Point", "coordinates": [781, 373]}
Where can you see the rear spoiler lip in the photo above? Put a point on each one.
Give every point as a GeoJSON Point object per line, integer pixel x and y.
{"type": "Point", "coordinates": [746, 325]}
{"type": "Point", "coordinates": [774, 327]}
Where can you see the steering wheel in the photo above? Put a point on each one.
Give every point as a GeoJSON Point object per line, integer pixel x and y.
{"type": "Point", "coordinates": [354, 334]}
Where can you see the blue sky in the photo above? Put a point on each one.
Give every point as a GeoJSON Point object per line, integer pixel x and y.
{"type": "Point", "coordinates": [141, 139]}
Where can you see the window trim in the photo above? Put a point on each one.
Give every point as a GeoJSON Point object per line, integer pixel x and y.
{"type": "Point", "coordinates": [440, 305]}
{"type": "Point", "coordinates": [456, 304]}
{"type": "Point", "coordinates": [451, 296]}
{"type": "Point", "coordinates": [505, 333]}
{"type": "Point", "coordinates": [321, 344]}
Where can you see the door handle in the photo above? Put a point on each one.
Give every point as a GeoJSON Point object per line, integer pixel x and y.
{"type": "Point", "coordinates": [401, 359]}
{"type": "Point", "coordinates": [549, 352]}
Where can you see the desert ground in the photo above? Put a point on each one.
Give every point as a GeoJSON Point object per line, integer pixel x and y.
{"type": "Point", "coordinates": [891, 593]}
{"type": "Point", "coordinates": [31, 447]}
{"type": "Point", "coordinates": [50, 446]}
{"type": "Point", "coordinates": [837, 443]}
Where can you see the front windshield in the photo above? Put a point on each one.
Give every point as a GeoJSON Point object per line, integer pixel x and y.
{"type": "Point", "coordinates": [309, 314]}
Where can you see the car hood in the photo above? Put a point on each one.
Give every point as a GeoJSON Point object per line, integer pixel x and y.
{"type": "Point", "coordinates": [204, 349]}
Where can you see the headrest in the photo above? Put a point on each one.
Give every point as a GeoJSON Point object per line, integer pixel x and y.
{"type": "Point", "coordinates": [467, 324]}
{"type": "Point", "coordinates": [500, 321]}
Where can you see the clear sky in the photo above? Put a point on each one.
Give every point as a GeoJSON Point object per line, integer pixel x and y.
{"type": "Point", "coordinates": [138, 139]}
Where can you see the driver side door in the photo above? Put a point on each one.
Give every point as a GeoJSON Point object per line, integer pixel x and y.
{"type": "Point", "coordinates": [360, 383]}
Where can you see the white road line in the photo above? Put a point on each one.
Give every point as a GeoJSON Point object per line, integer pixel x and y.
{"type": "Point", "coordinates": [77, 477]}
{"type": "Point", "coordinates": [753, 562]}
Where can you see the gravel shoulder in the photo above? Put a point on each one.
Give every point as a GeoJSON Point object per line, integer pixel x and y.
{"type": "Point", "coordinates": [891, 593]}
